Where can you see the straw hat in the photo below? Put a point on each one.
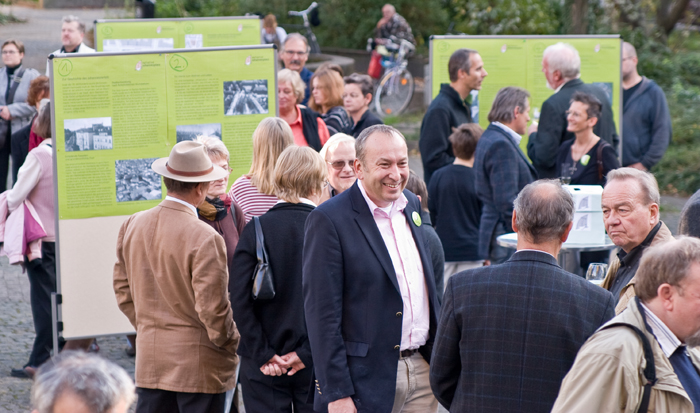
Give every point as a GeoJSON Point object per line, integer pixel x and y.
{"type": "Point", "coordinates": [189, 162]}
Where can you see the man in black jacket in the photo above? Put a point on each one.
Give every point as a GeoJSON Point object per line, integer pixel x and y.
{"type": "Point", "coordinates": [561, 65]}
{"type": "Point", "coordinates": [449, 109]}
{"type": "Point", "coordinates": [645, 116]}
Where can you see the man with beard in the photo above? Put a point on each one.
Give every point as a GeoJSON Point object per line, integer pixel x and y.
{"type": "Point", "coordinates": [650, 348]}
{"type": "Point", "coordinates": [295, 53]}
{"type": "Point", "coordinates": [72, 34]}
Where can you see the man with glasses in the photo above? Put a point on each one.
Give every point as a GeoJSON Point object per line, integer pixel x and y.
{"type": "Point", "coordinates": [645, 116]}
{"type": "Point", "coordinates": [339, 154]}
{"type": "Point", "coordinates": [295, 53]}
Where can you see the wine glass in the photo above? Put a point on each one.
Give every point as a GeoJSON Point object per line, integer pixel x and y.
{"type": "Point", "coordinates": [567, 171]}
{"type": "Point", "coordinates": [596, 272]}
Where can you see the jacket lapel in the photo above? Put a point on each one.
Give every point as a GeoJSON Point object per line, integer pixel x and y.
{"type": "Point", "coordinates": [517, 149]}
{"type": "Point", "coordinates": [365, 221]}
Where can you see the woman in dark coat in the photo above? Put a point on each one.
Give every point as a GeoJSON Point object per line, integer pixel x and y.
{"type": "Point", "coordinates": [276, 365]}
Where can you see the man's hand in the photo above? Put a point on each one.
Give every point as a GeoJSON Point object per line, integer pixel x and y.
{"type": "Point", "coordinates": [274, 367]}
{"type": "Point", "coordinates": [532, 128]}
{"type": "Point", "coordinates": [293, 362]}
{"type": "Point", "coordinates": [382, 22]}
{"type": "Point", "coordinates": [487, 263]}
{"type": "Point", "coordinates": [639, 166]}
{"type": "Point", "coordinates": [342, 406]}
{"type": "Point", "coordinates": [5, 113]}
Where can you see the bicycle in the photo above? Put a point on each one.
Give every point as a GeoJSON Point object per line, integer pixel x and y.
{"type": "Point", "coordinates": [395, 88]}
{"type": "Point", "coordinates": [313, 12]}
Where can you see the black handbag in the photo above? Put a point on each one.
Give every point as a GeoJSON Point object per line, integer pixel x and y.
{"type": "Point", "coordinates": [263, 287]}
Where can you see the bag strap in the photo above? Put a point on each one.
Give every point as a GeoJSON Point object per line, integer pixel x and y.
{"type": "Point", "coordinates": [14, 86]}
{"type": "Point", "coordinates": [259, 242]}
{"type": "Point", "coordinates": [599, 156]}
{"type": "Point", "coordinates": [649, 370]}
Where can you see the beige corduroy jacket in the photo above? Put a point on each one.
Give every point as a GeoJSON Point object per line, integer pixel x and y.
{"type": "Point", "coordinates": [171, 281]}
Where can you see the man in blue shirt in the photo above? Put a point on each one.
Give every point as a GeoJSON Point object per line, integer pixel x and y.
{"type": "Point", "coordinates": [295, 53]}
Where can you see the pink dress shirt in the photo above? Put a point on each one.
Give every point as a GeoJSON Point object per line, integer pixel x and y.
{"type": "Point", "coordinates": [408, 267]}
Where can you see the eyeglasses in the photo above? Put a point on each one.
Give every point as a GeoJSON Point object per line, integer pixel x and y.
{"type": "Point", "coordinates": [575, 114]}
{"type": "Point", "coordinates": [341, 164]}
{"type": "Point", "coordinates": [292, 53]}
{"type": "Point", "coordinates": [10, 52]}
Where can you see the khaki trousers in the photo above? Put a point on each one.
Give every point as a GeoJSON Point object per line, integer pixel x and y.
{"type": "Point", "coordinates": [413, 393]}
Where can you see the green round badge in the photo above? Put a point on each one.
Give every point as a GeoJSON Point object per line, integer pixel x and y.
{"type": "Point", "coordinates": [416, 218]}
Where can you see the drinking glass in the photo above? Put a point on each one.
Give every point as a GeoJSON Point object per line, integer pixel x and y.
{"type": "Point", "coordinates": [596, 272]}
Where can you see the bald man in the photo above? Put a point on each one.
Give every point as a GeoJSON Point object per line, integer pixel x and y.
{"type": "Point", "coordinates": [645, 118]}
{"type": "Point", "coordinates": [392, 24]}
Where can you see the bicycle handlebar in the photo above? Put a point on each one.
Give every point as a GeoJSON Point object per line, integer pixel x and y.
{"type": "Point", "coordinates": [304, 12]}
{"type": "Point", "coordinates": [394, 41]}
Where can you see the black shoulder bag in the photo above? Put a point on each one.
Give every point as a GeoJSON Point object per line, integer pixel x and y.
{"type": "Point", "coordinates": [10, 99]}
{"type": "Point", "coordinates": [263, 287]}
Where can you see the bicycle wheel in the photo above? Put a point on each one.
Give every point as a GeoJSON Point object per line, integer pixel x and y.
{"type": "Point", "coordinates": [394, 92]}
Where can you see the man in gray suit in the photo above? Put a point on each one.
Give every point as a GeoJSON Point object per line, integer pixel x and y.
{"type": "Point", "coordinates": [502, 169]}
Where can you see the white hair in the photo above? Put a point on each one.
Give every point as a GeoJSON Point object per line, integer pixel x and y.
{"type": "Point", "coordinates": [334, 142]}
{"type": "Point", "coordinates": [564, 58]}
{"type": "Point", "coordinates": [99, 383]}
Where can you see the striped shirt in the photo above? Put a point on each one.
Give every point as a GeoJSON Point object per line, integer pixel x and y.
{"type": "Point", "coordinates": [667, 340]}
{"type": "Point", "coordinates": [252, 202]}
{"type": "Point", "coordinates": [338, 121]}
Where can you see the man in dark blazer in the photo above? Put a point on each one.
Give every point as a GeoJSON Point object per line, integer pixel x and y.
{"type": "Point", "coordinates": [369, 292]}
{"type": "Point", "coordinates": [561, 65]}
{"type": "Point", "coordinates": [509, 333]}
{"type": "Point", "coordinates": [502, 169]}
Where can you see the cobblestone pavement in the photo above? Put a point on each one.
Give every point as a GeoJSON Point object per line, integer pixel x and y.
{"type": "Point", "coordinates": [17, 334]}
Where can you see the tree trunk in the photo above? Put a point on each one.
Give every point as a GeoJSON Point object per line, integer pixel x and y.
{"type": "Point", "coordinates": [579, 16]}
{"type": "Point", "coordinates": [669, 12]}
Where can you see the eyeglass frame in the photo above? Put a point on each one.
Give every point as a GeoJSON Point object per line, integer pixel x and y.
{"type": "Point", "coordinates": [351, 164]}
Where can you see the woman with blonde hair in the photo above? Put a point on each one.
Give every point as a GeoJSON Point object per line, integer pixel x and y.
{"type": "Point", "coordinates": [308, 127]}
{"type": "Point", "coordinates": [276, 364]}
{"type": "Point", "coordinates": [271, 32]}
{"type": "Point", "coordinates": [255, 191]}
{"type": "Point", "coordinates": [327, 90]}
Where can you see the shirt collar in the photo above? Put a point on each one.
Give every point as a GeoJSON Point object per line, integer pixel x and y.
{"type": "Point", "coordinates": [516, 138]}
{"type": "Point", "coordinates": [298, 119]}
{"type": "Point", "coordinates": [180, 201]}
{"type": "Point", "coordinates": [667, 340]}
{"type": "Point", "coordinates": [562, 85]}
{"type": "Point", "coordinates": [395, 206]}
{"type": "Point", "coordinates": [302, 200]}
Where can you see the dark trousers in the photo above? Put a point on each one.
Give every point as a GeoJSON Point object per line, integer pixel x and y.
{"type": "Point", "coordinates": [499, 254]}
{"type": "Point", "coordinates": [4, 163]}
{"type": "Point", "coordinates": [263, 394]}
{"type": "Point", "coordinates": [42, 282]}
{"type": "Point", "coordinates": [164, 401]}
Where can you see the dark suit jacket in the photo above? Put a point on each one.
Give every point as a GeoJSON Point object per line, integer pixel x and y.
{"type": "Point", "coordinates": [353, 303]}
{"type": "Point", "coordinates": [509, 333]}
{"type": "Point", "coordinates": [502, 170]}
{"type": "Point", "coordinates": [543, 145]}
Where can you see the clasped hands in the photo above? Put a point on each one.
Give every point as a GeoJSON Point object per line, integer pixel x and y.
{"type": "Point", "coordinates": [288, 364]}
{"type": "Point", "coordinates": [5, 113]}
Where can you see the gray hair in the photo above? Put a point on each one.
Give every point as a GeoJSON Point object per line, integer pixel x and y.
{"type": "Point", "coordinates": [630, 49]}
{"type": "Point", "coordinates": [461, 59]}
{"type": "Point", "coordinates": [543, 211]}
{"type": "Point", "coordinates": [297, 36]}
{"type": "Point", "coordinates": [647, 183]}
{"type": "Point", "coordinates": [666, 263]}
{"type": "Point", "coordinates": [507, 99]}
{"type": "Point", "coordinates": [334, 142]}
{"type": "Point", "coordinates": [361, 140]}
{"type": "Point", "coordinates": [99, 383]}
{"type": "Point", "coordinates": [70, 19]}
{"type": "Point", "coordinates": [564, 58]}
{"type": "Point", "coordinates": [294, 79]}
{"type": "Point", "coordinates": [214, 146]}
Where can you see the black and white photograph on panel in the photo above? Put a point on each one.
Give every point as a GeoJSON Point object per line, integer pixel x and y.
{"type": "Point", "coordinates": [190, 132]}
{"type": "Point", "coordinates": [136, 181]}
{"type": "Point", "coordinates": [88, 134]}
{"type": "Point", "coordinates": [245, 97]}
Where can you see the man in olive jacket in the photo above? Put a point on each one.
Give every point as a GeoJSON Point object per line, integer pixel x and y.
{"type": "Point", "coordinates": [171, 281]}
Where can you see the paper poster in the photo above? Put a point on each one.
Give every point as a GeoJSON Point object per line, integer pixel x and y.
{"type": "Point", "coordinates": [517, 61]}
{"type": "Point", "coordinates": [114, 115]}
{"type": "Point", "coordinates": [126, 35]}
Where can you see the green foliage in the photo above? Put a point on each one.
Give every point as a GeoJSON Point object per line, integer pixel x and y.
{"type": "Point", "coordinates": [348, 24]}
{"type": "Point", "coordinates": [196, 8]}
{"type": "Point", "coordinates": [506, 16]}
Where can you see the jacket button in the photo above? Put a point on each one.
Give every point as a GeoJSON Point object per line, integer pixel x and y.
{"type": "Point", "coordinates": [397, 347]}
{"type": "Point", "coordinates": [399, 314]}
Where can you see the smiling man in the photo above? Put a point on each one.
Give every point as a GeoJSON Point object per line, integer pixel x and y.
{"type": "Point", "coordinates": [295, 53]}
{"type": "Point", "coordinates": [369, 291]}
{"type": "Point", "coordinates": [631, 215]}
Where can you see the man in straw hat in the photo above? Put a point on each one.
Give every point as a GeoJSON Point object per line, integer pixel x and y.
{"type": "Point", "coordinates": [171, 281]}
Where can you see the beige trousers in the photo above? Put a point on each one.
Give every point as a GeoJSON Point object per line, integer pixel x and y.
{"type": "Point", "coordinates": [413, 393]}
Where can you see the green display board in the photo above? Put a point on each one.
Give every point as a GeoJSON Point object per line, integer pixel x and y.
{"type": "Point", "coordinates": [187, 33]}
{"type": "Point", "coordinates": [115, 113]}
{"type": "Point", "coordinates": [517, 61]}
